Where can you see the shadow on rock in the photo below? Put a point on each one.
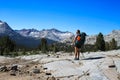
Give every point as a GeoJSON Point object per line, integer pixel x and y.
{"type": "Point", "coordinates": [93, 58]}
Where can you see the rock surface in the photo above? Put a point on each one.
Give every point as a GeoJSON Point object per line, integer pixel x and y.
{"type": "Point", "coordinates": [93, 66]}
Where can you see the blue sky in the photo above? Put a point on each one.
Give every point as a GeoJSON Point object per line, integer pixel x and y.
{"type": "Point", "coordinates": [90, 16]}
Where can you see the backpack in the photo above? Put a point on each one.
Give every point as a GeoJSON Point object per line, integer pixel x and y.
{"type": "Point", "coordinates": [81, 38]}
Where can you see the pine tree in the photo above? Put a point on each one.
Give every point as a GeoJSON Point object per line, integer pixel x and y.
{"type": "Point", "coordinates": [43, 45]}
{"type": "Point", "coordinates": [55, 48]}
{"type": "Point", "coordinates": [100, 43]}
{"type": "Point", "coordinates": [6, 45]}
{"type": "Point", "coordinates": [113, 44]}
{"type": "Point", "coordinates": [107, 47]}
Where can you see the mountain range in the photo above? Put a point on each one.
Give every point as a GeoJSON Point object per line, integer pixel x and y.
{"type": "Point", "coordinates": [6, 30]}
{"type": "Point", "coordinates": [31, 37]}
{"type": "Point", "coordinates": [52, 34]}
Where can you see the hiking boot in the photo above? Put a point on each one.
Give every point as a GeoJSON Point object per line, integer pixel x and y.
{"type": "Point", "coordinates": [75, 58]}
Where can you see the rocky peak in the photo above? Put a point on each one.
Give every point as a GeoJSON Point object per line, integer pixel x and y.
{"type": "Point", "coordinates": [4, 27]}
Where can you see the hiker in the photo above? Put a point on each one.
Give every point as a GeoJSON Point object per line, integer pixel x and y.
{"type": "Point", "coordinates": [78, 41]}
{"type": "Point", "coordinates": [77, 45]}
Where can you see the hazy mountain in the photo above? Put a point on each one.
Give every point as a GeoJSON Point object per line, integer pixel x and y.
{"type": "Point", "coordinates": [52, 34]}
{"type": "Point", "coordinates": [28, 32]}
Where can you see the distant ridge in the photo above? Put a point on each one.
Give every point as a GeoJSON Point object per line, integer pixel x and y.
{"type": "Point", "coordinates": [52, 34]}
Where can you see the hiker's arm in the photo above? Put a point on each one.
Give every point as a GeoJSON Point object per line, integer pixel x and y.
{"type": "Point", "coordinates": [74, 39]}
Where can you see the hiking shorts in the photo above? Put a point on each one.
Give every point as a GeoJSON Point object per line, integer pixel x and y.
{"type": "Point", "coordinates": [78, 45]}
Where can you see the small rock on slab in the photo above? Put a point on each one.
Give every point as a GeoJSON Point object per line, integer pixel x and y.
{"type": "Point", "coordinates": [48, 74]}
{"type": "Point", "coordinates": [45, 68]}
{"type": "Point", "coordinates": [111, 66]}
{"type": "Point", "coordinates": [36, 71]}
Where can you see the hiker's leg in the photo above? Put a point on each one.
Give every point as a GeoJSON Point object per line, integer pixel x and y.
{"type": "Point", "coordinates": [78, 53]}
{"type": "Point", "coordinates": [75, 52]}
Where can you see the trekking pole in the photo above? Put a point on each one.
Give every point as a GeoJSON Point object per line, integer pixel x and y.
{"type": "Point", "coordinates": [82, 55]}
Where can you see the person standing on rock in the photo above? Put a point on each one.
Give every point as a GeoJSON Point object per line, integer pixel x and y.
{"type": "Point", "coordinates": [77, 44]}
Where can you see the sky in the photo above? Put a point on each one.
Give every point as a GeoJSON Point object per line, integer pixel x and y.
{"type": "Point", "coordinates": [90, 16]}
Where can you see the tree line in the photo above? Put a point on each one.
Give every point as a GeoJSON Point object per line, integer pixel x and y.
{"type": "Point", "coordinates": [7, 45]}
{"type": "Point", "coordinates": [101, 45]}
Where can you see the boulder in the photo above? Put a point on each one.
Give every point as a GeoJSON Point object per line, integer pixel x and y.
{"type": "Point", "coordinates": [14, 67]}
